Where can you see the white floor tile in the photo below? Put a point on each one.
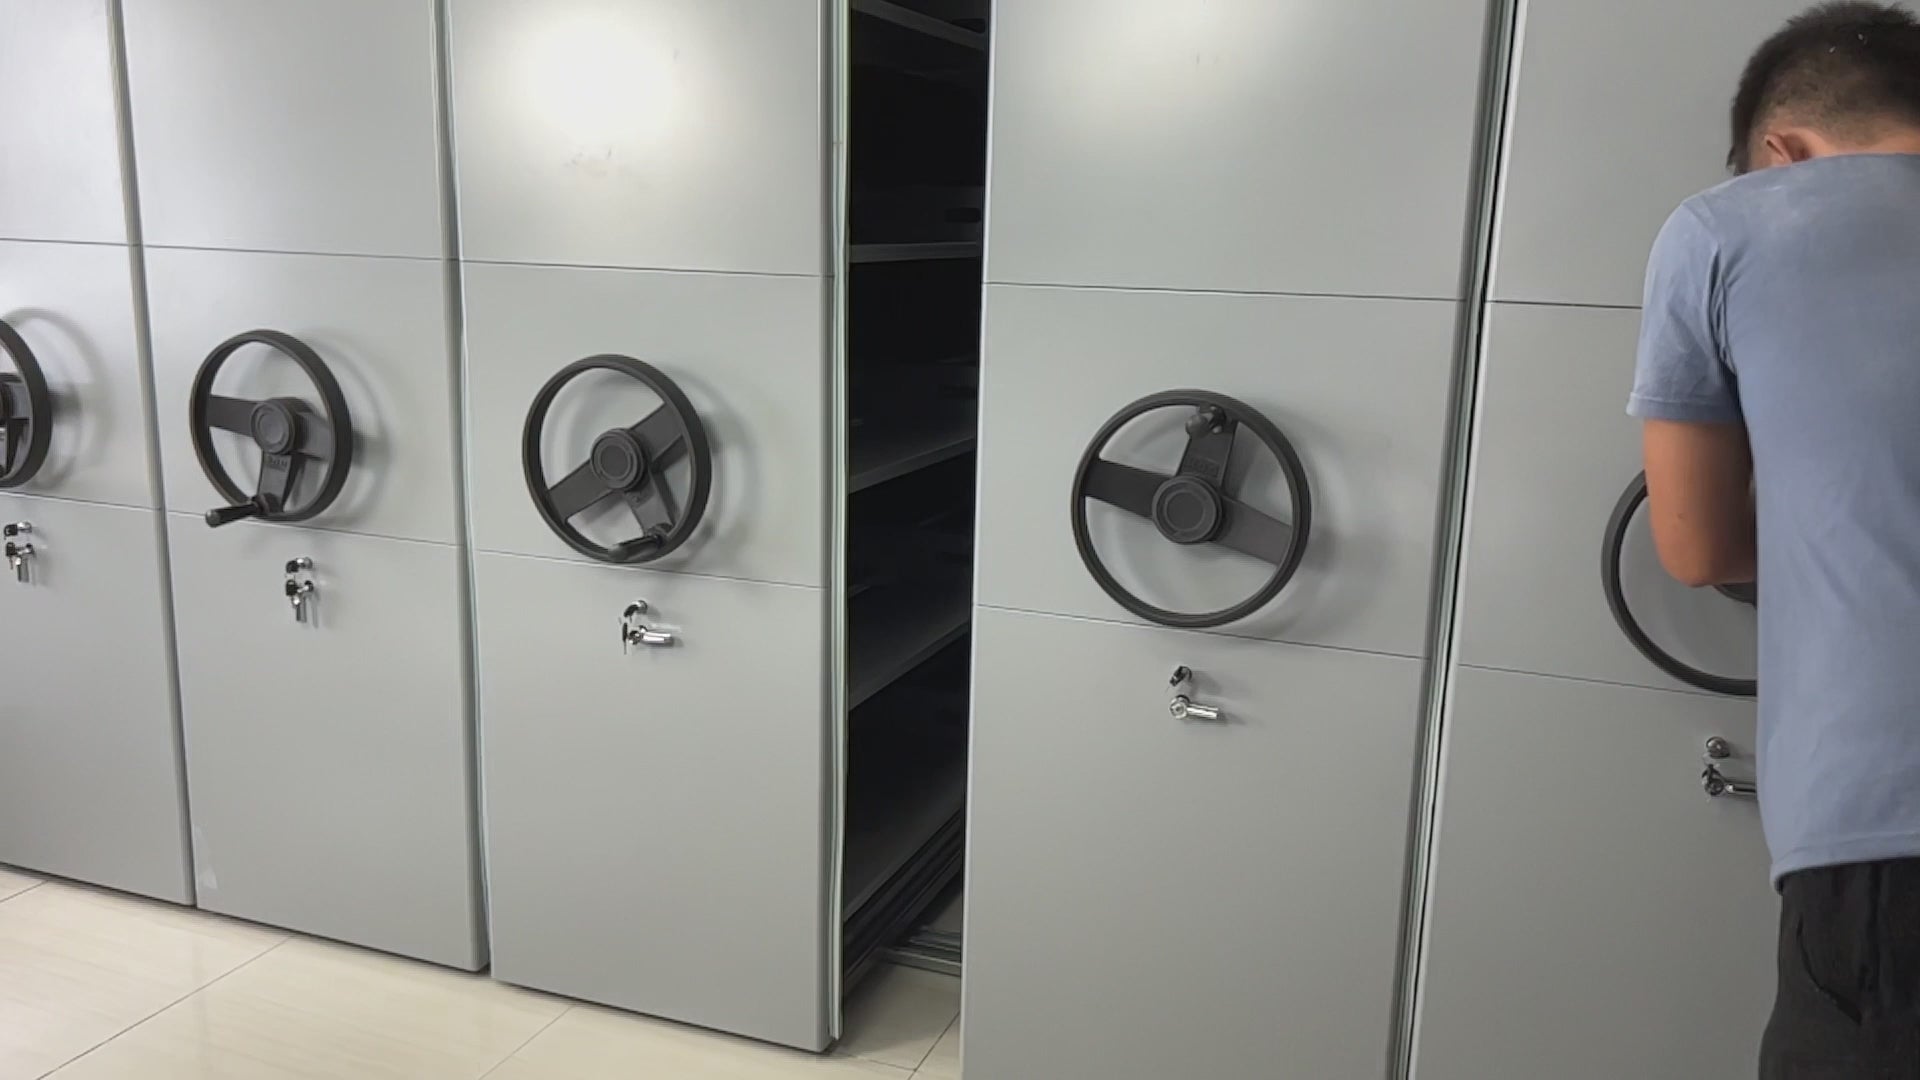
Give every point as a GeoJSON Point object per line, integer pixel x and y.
{"type": "Point", "coordinates": [78, 966]}
{"type": "Point", "coordinates": [897, 1015]}
{"type": "Point", "coordinates": [597, 1044]}
{"type": "Point", "coordinates": [944, 1062]}
{"type": "Point", "coordinates": [313, 1010]}
{"type": "Point", "coordinates": [14, 882]}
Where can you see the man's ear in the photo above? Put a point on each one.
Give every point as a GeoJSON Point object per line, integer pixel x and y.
{"type": "Point", "coordinates": [1788, 146]}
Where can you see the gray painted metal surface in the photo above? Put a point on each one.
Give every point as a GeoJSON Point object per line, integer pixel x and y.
{"type": "Point", "coordinates": [658, 831]}
{"type": "Point", "coordinates": [60, 170]}
{"type": "Point", "coordinates": [331, 762]}
{"type": "Point", "coordinates": [90, 784]}
{"type": "Point", "coordinates": [1263, 145]}
{"type": "Point", "coordinates": [655, 834]}
{"type": "Point", "coordinates": [327, 760]}
{"type": "Point", "coordinates": [1185, 898]}
{"type": "Point", "coordinates": [90, 766]}
{"type": "Point", "coordinates": [1619, 112]}
{"type": "Point", "coordinates": [1360, 386]}
{"type": "Point", "coordinates": [1595, 915]}
{"type": "Point", "coordinates": [1152, 898]}
{"type": "Point", "coordinates": [746, 349]}
{"type": "Point", "coordinates": [642, 133]}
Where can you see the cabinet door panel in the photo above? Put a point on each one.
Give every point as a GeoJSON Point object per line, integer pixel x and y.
{"type": "Point", "coordinates": [748, 351]}
{"type": "Point", "coordinates": [1593, 915]}
{"type": "Point", "coordinates": [1359, 386]}
{"type": "Point", "coordinates": [1555, 451]}
{"type": "Point", "coordinates": [73, 305]}
{"type": "Point", "coordinates": [1165, 143]}
{"type": "Point", "coordinates": [1151, 898]}
{"type": "Point", "coordinates": [330, 761]}
{"type": "Point", "coordinates": [381, 327]}
{"type": "Point", "coordinates": [1595, 162]}
{"type": "Point", "coordinates": [656, 818]}
{"type": "Point", "coordinates": [59, 124]}
{"type": "Point", "coordinates": [642, 133]}
{"type": "Point", "coordinates": [90, 784]}
{"type": "Point", "coordinates": [286, 125]}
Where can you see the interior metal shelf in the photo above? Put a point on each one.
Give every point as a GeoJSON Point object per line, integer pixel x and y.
{"type": "Point", "coordinates": [901, 17]}
{"type": "Point", "coordinates": [891, 449]}
{"type": "Point", "coordinates": [893, 253]}
{"type": "Point", "coordinates": [885, 835]}
{"type": "Point", "coordinates": [895, 628]}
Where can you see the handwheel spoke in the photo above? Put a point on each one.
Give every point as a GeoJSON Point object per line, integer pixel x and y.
{"type": "Point", "coordinates": [12, 437]}
{"type": "Point", "coordinates": [1124, 486]}
{"type": "Point", "coordinates": [231, 414]}
{"type": "Point", "coordinates": [316, 435]}
{"type": "Point", "coordinates": [1210, 449]}
{"type": "Point", "coordinates": [577, 491]}
{"type": "Point", "coordinates": [14, 401]}
{"type": "Point", "coordinates": [278, 475]}
{"type": "Point", "coordinates": [1251, 532]}
{"type": "Point", "coordinates": [660, 430]}
{"type": "Point", "coordinates": [652, 506]}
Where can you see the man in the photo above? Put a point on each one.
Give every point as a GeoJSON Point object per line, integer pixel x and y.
{"type": "Point", "coordinates": [1779, 382]}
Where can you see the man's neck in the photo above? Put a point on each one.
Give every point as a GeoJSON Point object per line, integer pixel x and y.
{"type": "Point", "coordinates": [1902, 142]}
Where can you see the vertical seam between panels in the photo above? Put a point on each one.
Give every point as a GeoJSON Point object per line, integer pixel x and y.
{"type": "Point", "coordinates": [456, 313]}
{"type": "Point", "coordinates": [156, 476]}
{"type": "Point", "coordinates": [1504, 19]}
{"type": "Point", "coordinates": [838, 54]}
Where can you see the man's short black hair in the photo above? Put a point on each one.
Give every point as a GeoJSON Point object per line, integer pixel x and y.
{"type": "Point", "coordinates": [1841, 65]}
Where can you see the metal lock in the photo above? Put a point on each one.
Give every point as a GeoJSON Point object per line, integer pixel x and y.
{"type": "Point", "coordinates": [635, 631]}
{"type": "Point", "coordinates": [19, 552]}
{"type": "Point", "coordinates": [1716, 783]}
{"type": "Point", "coordinates": [1183, 707]}
{"type": "Point", "coordinates": [300, 589]}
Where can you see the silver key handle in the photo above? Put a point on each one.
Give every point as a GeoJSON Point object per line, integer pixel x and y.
{"type": "Point", "coordinates": [635, 631]}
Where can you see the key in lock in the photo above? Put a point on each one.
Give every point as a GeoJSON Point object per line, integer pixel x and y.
{"type": "Point", "coordinates": [19, 553]}
{"type": "Point", "coordinates": [300, 589]}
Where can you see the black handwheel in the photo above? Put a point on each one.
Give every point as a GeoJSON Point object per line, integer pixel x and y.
{"type": "Point", "coordinates": [289, 432]}
{"type": "Point", "coordinates": [1196, 504]}
{"type": "Point", "coordinates": [629, 462]}
{"type": "Point", "coordinates": [26, 412]}
{"type": "Point", "coordinates": [1610, 553]}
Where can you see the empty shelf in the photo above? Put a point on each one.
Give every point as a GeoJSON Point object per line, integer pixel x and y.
{"type": "Point", "coordinates": [891, 253]}
{"type": "Point", "coordinates": [882, 452]}
{"type": "Point", "coordinates": [905, 18]}
{"type": "Point", "coordinates": [887, 832]}
{"type": "Point", "coordinates": [893, 629]}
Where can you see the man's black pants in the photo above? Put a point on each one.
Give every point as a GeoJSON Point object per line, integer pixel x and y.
{"type": "Point", "coordinates": [1849, 997]}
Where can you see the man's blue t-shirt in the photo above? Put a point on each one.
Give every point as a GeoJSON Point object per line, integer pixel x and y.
{"type": "Point", "coordinates": [1789, 300]}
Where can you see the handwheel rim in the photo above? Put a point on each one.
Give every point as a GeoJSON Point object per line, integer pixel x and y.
{"type": "Point", "coordinates": [334, 409]}
{"type": "Point", "coordinates": [699, 454]}
{"type": "Point", "coordinates": [1299, 493]}
{"type": "Point", "coordinates": [39, 409]}
{"type": "Point", "coordinates": [1615, 588]}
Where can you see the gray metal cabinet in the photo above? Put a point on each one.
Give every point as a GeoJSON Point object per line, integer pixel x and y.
{"type": "Point", "coordinates": [1598, 902]}
{"type": "Point", "coordinates": [1204, 900]}
{"type": "Point", "coordinates": [1153, 895]}
{"type": "Point", "coordinates": [1593, 914]}
{"type": "Point", "coordinates": [656, 819]}
{"type": "Point", "coordinates": [90, 784]}
{"type": "Point", "coordinates": [648, 179]}
{"type": "Point", "coordinates": [329, 745]}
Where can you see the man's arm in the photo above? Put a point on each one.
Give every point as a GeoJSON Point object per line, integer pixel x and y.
{"type": "Point", "coordinates": [1700, 500]}
{"type": "Point", "coordinates": [1699, 465]}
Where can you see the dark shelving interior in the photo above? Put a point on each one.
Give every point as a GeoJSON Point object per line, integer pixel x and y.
{"type": "Point", "coordinates": [917, 174]}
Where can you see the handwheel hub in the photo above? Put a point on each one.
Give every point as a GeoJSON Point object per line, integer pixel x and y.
{"type": "Point", "coordinates": [619, 460]}
{"type": "Point", "coordinates": [1187, 510]}
{"type": "Point", "coordinates": [275, 427]}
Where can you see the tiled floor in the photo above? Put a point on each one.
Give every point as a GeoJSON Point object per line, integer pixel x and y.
{"type": "Point", "coordinates": [99, 986]}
